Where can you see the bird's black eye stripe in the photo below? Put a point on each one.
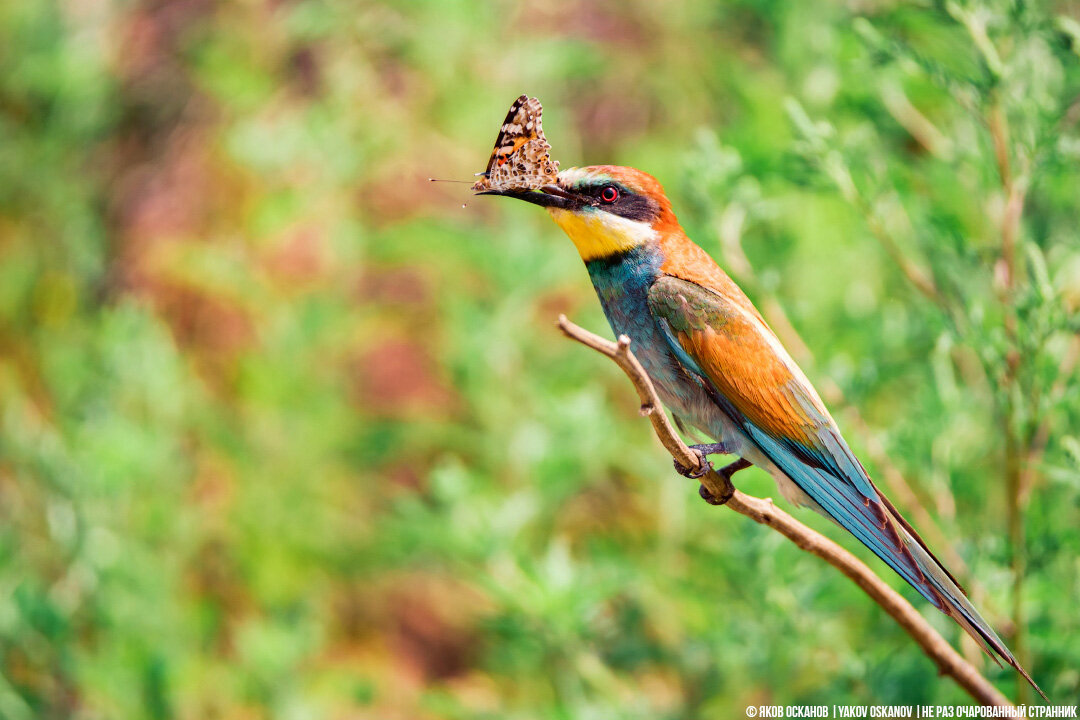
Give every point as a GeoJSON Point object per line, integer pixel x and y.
{"type": "Point", "coordinates": [616, 199]}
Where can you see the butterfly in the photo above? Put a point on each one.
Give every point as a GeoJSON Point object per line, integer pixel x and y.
{"type": "Point", "coordinates": [520, 160]}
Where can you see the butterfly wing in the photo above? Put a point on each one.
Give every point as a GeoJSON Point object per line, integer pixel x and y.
{"type": "Point", "coordinates": [520, 159]}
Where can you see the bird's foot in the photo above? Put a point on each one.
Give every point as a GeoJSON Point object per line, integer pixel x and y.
{"type": "Point", "coordinates": [708, 496]}
{"type": "Point", "coordinates": [703, 464]}
{"type": "Point", "coordinates": [725, 472]}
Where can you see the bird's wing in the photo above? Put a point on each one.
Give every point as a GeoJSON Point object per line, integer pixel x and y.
{"type": "Point", "coordinates": [749, 374]}
{"type": "Point", "coordinates": [727, 346]}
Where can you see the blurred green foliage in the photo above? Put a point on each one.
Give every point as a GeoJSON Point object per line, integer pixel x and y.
{"type": "Point", "coordinates": [285, 432]}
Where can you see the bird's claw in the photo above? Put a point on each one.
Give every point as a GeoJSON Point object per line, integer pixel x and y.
{"type": "Point", "coordinates": [702, 451]}
{"type": "Point", "coordinates": [709, 497]}
{"type": "Point", "coordinates": [704, 466]}
{"type": "Point", "coordinates": [725, 472]}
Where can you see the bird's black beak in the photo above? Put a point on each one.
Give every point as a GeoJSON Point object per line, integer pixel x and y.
{"type": "Point", "coordinates": [549, 196]}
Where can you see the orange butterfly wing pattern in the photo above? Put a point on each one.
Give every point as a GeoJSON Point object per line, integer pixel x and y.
{"type": "Point", "coordinates": [520, 160]}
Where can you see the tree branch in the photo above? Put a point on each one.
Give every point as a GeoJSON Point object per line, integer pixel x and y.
{"type": "Point", "coordinates": [762, 510]}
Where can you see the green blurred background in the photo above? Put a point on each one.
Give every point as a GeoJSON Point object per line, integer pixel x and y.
{"type": "Point", "coordinates": [286, 432]}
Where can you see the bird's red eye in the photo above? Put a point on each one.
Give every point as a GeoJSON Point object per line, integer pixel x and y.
{"type": "Point", "coordinates": [609, 194]}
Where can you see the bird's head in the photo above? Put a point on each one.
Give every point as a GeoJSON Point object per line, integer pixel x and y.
{"type": "Point", "coordinates": [605, 209]}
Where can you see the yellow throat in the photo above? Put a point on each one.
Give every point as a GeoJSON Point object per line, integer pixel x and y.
{"type": "Point", "coordinates": [597, 234]}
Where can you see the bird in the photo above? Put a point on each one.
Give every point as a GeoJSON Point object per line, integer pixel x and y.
{"type": "Point", "coordinates": [719, 368]}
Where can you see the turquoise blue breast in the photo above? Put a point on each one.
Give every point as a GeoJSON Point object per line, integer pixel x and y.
{"type": "Point", "coordinates": [622, 283]}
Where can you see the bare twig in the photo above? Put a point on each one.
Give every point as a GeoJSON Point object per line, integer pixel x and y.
{"type": "Point", "coordinates": [720, 487]}
{"type": "Point", "coordinates": [763, 511]}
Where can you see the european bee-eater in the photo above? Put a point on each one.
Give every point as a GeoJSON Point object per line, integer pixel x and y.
{"type": "Point", "coordinates": [719, 368]}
